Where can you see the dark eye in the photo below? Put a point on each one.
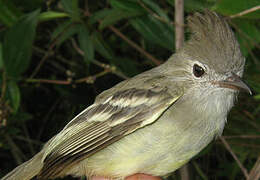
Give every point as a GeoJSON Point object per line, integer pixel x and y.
{"type": "Point", "coordinates": [197, 70]}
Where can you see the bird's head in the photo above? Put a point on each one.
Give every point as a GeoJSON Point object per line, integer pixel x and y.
{"type": "Point", "coordinates": [211, 61]}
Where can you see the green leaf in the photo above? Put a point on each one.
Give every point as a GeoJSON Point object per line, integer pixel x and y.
{"type": "Point", "coordinates": [116, 15]}
{"type": "Point", "coordinates": [126, 65]}
{"type": "Point", "coordinates": [127, 5]}
{"type": "Point", "coordinates": [155, 31]}
{"type": "Point", "coordinates": [29, 5]}
{"type": "Point", "coordinates": [248, 35]}
{"type": "Point", "coordinates": [99, 15]}
{"type": "Point", "coordinates": [257, 97]}
{"type": "Point", "coordinates": [14, 95]}
{"type": "Point", "coordinates": [65, 31]}
{"type": "Point", "coordinates": [50, 15]}
{"type": "Point", "coordinates": [86, 44]}
{"type": "Point", "coordinates": [153, 6]}
{"type": "Point", "coordinates": [17, 46]}
{"type": "Point", "coordinates": [8, 13]}
{"type": "Point", "coordinates": [71, 7]}
{"type": "Point", "coordinates": [101, 46]}
{"type": "Point", "coordinates": [229, 7]}
{"type": "Point", "coordinates": [18, 119]}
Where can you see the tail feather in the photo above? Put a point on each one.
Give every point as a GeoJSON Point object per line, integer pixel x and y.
{"type": "Point", "coordinates": [27, 170]}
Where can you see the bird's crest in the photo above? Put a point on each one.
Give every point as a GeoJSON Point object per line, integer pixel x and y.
{"type": "Point", "coordinates": [213, 41]}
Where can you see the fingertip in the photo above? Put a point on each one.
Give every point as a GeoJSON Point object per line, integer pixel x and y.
{"type": "Point", "coordinates": [141, 176]}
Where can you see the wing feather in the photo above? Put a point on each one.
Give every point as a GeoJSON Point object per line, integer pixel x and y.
{"type": "Point", "coordinates": [102, 124]}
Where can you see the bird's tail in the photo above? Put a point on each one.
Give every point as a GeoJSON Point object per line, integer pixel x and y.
{"type": "Point", "coordinates": [27, 170]}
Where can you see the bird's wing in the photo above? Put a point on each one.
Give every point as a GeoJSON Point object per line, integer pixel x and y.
{"type": "Point", "coordinates": [102, 124]}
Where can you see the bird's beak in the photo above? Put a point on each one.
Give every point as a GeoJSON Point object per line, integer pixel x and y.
{"type": "Point", "coordinates": [235, 82]}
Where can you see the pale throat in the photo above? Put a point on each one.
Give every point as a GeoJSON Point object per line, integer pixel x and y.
{"type": "Point", "coordinates": [211, 106]}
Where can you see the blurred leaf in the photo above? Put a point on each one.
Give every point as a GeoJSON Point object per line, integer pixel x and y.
{"type": "Point", "coordinates": [8, 13]}
{"type": "Point", "coordinates": [171, 2]}
{"type": "Point", "coordinates": [50, 15]}
{"type": "Point", "coordinates": [257, 97]}
{"type": "Point", "coordinates": [28, 5]}
{"type": "Point", "coordinates": [19, 118]}
{"type": "Point", "coordinates": [86, 44]}
{"type": "Point", "coordinates": [126, 65]}
{"type": "Point", "coordinates": [248, 35]}
{"type": "Point", "coordinates": [1, 56]}
{"type": "Point", "coordinates": [155, 31]}
{"type": "Point", "coordinates": [71, 7]}
{"type": "Point", "coordinates": [64, 31]}
{"type": "Point", "coordinates": [116, 15]}
{"type": "Point", "coordinates": [153, 6]}
{"type": "Point", "coordinates": [197, 5]}
{"type": "Point", "coordinates": [231, 7]}
{"type": "Point", "coordinates": [60, 29]}
{"type": "Point", "coordinates": [101, 46]}
{"type": "Point", "coordinates": [128, 5]}
{"type": "Point", "coordinates": [17, 46]}
{"type": "Point", "coordinates": [14, 95]}
{"type": "Point", "coordinates": [99, 15]}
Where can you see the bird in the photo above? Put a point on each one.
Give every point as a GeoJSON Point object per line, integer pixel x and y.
{"type": "Point", "coordinates": [154, 122]}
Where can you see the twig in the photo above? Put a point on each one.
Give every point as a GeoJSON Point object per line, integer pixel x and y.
{"type": "Point", "coordinates": [255, 172]}
{"type": "Point", "coordinates": [48, 81]}
{"type": "Point", "coordinates": [48, 52]}
{"type": "Point", "coordinates": [3, 88]}
{"type": "Point", "coordinates": [112, 69]}
{"type": "Point", "coordinates": [179, 20]}
{"type": "Point", "coordinates": [46, 55]}
{"type": "Point", "coordinates": [59, 57]}
{"type": "Point", "coordinates": [46, 118]}
{"type": "Point", "coordinates": [242, 145]}
{"type": "Point", "coordinates": [179, 40]}
{"type": "Point", "coordinates": [158, 17]}
{"type": "Point", "coordinates": [255, 125]}
{"type": "Point", "coordinates": [154, 14]}
{"type": "Point", "coordinates": [28, 136]}
{"type": "Point", "coordinates": [17, 153]}
{"type": "Point", "coordinates": [245, 12]}
{"type": "Point", "coordinates": [130, 42]}
{"type": "Point", "coordinates": [86, 7]}
{"type": "Point", "coordinates": [134, 45]}
{"type": "Point", "coordinates": [253, 41]}
{"type": "Point", "coordinates": [91, 79]}
{"type": "Point", "coordinates": [22, 138]}
{"type": "Point", "coordinates": [243, 169]}
{"type": "Point", "coordinates": [200, 172]}
{"type": "Point", "coordinates": [243, 137]}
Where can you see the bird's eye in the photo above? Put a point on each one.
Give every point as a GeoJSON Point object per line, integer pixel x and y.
{"type": "Point", "coordinates": [198, 71]}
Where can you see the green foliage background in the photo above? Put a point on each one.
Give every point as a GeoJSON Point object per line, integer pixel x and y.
{"type": "Point", "coordinates": [56, 56]}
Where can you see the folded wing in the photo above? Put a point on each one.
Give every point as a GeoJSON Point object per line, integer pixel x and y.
{"type": "Point", "coordinates": [102, 124]}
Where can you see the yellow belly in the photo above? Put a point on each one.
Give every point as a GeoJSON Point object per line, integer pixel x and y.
{"type": "Point", "coordinates": [157, 149]}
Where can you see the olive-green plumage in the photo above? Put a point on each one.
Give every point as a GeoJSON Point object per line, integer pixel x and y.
{"type": "Point", "coordinates": [154, 122]}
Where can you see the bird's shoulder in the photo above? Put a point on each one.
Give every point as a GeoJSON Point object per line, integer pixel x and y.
{"type": "Point", "coordinates": [148, 80]}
